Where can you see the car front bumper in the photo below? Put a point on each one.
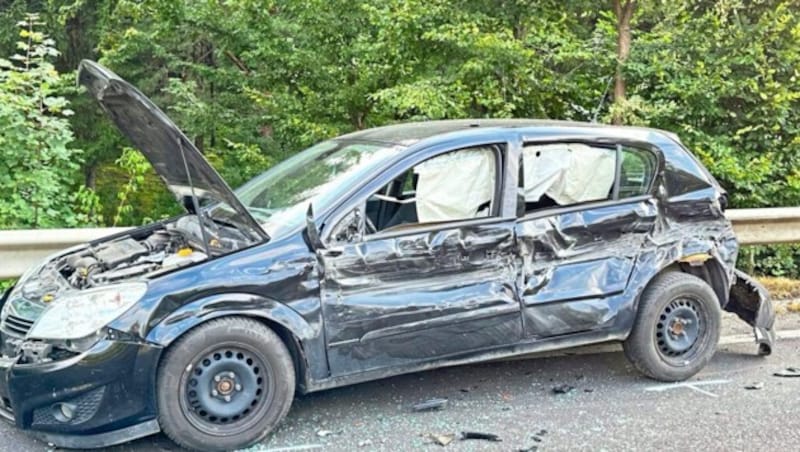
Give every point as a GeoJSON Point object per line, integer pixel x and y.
{"type": "Point", "coordinates": [108, 390]}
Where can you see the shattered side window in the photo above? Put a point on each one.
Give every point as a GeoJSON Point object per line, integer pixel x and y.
{"type": "Point", "coordinates": [454, 186]}
{"type": "Point", "coordinates": [563, 174]}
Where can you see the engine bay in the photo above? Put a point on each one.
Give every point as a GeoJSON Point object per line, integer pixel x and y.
{"type": "Point", "coordinates": [164, 248]}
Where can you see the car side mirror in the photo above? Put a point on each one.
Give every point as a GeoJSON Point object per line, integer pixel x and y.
{"type": "Point", "coordinates": [350, 229]}
{"type": "Point", "coordinates": [661, 192]}
{"type": "Point", "coordinates": [312, 231]}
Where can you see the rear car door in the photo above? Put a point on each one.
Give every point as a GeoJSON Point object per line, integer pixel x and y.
{"type": "Point", "coordinates": [588, 209]}
{"type": "Point", "coordinates": [424, 267]}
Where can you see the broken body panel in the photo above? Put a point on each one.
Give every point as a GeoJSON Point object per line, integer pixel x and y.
{"type": "Point", "coordinates": [359, 306]}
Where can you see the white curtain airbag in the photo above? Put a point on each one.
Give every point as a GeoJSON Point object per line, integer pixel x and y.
{"type": "Point", "coordinates": [452, 186]}
{"type": "Point", "coordinates": [568, 173]}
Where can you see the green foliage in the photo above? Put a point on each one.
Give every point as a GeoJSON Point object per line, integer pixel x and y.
{"type": "Point", "coordinates": [37, 163]}
{"type": "Point", "coordinates": [5, 284]}
{"type": "Point", "coordinates": [253, 81]}
{"type": "Point", "coordinates": [773, 260]}
{"type": "Point", "coordinates": [136, 167]}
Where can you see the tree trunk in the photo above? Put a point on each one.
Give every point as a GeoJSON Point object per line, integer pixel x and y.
{"type": "Point", "coordinates": [623, 9]}
{"type": "Point", "coordinates": [90, 172]}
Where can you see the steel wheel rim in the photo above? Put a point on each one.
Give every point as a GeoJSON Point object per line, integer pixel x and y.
{"type": "Point", "coordinates": [681, 330]}
{"type": "Point", "coordinates": [210, 370]}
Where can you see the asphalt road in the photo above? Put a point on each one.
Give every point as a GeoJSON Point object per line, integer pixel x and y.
{"type": "Point", "coordinates": [610, 408]}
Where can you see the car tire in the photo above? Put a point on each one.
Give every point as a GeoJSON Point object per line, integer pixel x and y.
{"type": "Point", "coordinates": [224, 385]}
{"type": "Point", "coordinates": [677, 328]}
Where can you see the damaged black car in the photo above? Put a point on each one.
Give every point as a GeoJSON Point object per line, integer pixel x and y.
{"type": "Point", "coordinates": [382, 252]}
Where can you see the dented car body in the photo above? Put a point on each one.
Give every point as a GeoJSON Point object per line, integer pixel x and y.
{"type": "Point", "coordinates": [394, 250]}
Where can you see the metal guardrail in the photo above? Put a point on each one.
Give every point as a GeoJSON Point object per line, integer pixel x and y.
{"type": "Point", "coordinates": [19, 250]}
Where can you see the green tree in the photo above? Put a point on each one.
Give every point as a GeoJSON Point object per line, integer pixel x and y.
{"type": "Point", "coordinates": [36, 160]}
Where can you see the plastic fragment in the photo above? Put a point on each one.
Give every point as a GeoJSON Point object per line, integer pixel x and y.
{"type": "Point", "coordinates": [324, 433]}
{"type": "Point", "coordinates": [789, 372]}
{"type": "Point", "coordinates": [442, 439]}
{"type": "Point", "coordinates": [755, 386]}
{"type": "Point", "coordinates": [563, 389]}
{"type": "Point", "coordinates": [482, 436]}
{"type": "Point", "coordinates": [430, 405]}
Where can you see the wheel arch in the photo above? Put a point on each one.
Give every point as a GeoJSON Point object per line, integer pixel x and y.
{"type": "Point", "coordinates": [293, 330]}
{"type": "Point", "coordinates": [707, 268]}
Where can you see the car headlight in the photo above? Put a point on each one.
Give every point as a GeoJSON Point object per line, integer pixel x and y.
{"type": "Point", "coordinates": [80, 314]}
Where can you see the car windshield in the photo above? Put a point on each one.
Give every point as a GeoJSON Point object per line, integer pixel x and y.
{"type": "Point", "coordinates": [278, 198]}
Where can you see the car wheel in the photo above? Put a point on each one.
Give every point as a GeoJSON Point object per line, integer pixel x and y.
{"type": "Point", "coordinates": [224, 385]}
{"type": "Point", "coordinates": [677, 328]}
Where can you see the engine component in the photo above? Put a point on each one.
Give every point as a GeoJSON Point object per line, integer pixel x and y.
{"type": "Point", "coordinates": [183, 257]}
{"type": "Point", "coordinates": [122, 273]}
{"type": "Point", "coordinates": [120, 251]}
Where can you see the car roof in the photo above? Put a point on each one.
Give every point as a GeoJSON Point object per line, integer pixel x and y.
{"type": "Point", "coordinates": [410, 133]}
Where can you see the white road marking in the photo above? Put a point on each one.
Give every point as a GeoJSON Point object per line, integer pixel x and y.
{"type": "Point", "coordinates": [693, 385]}
{"type": "Point", "coordinates": [702, 391]}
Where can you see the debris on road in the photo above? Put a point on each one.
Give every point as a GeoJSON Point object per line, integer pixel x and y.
{"type": "Point", "coordinates": [478, 435]}
{"type": "Point", "coordinates": [537, 438]}
{"type": "Point", "coordinates": [441, 439]}
{"type": "Point", "coordinates": [365, 443]}
{"type": "Point", "coordinates": [563, 389]}
{"type": "Point", "coordinates": [430, 405]}
{"type": "Point", "coordinates": [755, 386]}
{"type": "Point", "coordinates": [529, 449]}
{"type": "Point", "coordinates": [588, 390]}
{"type": "Point", "coordinates": [788, 372]}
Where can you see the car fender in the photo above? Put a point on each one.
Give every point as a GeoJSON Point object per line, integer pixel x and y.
{"type": "Point", "coordinates": [192, 314]}
{"type": "Point", "coordinates": [668, 255]}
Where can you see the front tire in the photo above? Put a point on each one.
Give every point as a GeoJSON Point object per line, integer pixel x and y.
{"type": "Point", "coordinates": [677, 328]}
{"type": "Point", "coordinates": [224, 385]}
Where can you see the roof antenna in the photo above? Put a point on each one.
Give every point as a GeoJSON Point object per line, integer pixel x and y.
{"type": "Point", "coordinates": [602, 100]}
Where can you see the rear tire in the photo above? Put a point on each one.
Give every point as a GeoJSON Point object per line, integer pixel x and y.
{"type": "Point", "coordinates": [224, 385]}
{"type": "Point", "coordinates": [677, 328]}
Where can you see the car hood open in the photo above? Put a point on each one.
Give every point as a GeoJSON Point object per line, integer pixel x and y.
{"type": "Point", "coordinates": [173, 156]}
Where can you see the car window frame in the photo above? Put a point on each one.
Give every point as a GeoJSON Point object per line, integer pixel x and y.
{"type": "Point", "coordinates": [620, 160]}
{"type": "Point", "coordinates": [503, 146]}
{"type": "Point", "coordinates": [611, 144]}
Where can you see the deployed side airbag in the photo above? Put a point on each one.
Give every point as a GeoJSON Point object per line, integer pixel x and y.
{"type": "Point", "coordinates": [453, 186]}
{"type": "Point", "coordinates": [568, 173]}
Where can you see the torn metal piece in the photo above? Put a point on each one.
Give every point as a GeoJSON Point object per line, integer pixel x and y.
{"type": "Point", "coordinates": [430, 405]}
{"type": "Point", "coordinates": [789, 372]}
{"type": "Point", "coordinates": [481, 436]}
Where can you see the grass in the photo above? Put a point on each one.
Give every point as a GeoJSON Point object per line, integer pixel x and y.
{"type": "Point", "coordinates": [781, 288]}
